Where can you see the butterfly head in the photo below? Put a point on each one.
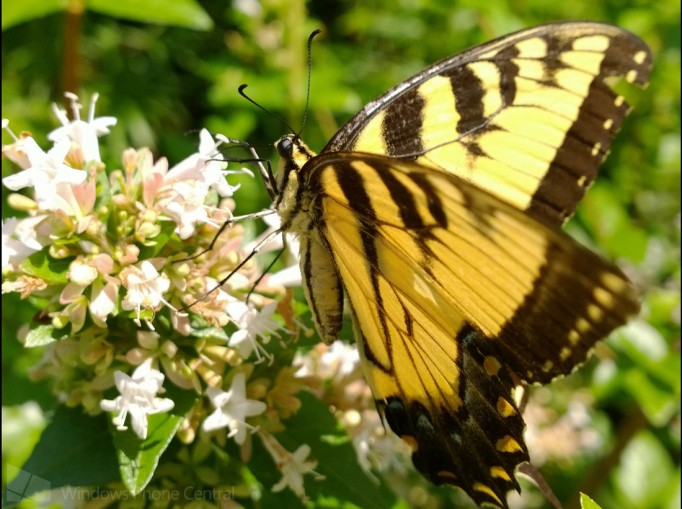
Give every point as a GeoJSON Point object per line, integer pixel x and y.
{"type": "Point", "coordinates": [293, 152]}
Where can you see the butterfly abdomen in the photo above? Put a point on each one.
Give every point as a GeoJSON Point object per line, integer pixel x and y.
{"type": "Point", "coordinates": [298, 207]}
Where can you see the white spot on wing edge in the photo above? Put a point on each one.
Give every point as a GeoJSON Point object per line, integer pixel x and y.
{"type": "Point", "coordinates": [640, 57]}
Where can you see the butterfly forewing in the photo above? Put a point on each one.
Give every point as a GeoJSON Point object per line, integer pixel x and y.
{"type": "Point", "coordinates": [528, 117]}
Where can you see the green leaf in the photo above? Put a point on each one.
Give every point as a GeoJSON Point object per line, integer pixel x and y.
{"type": "Point", "coordinates": [673, 493]}
{"type": "Point", "coordinates": [654, 379]}
{"type": "Point", "coordinates": [15, 12]}
{"type": "Point", "coordinates": [182, 13]}
{"type": "Point", "coordinates": [17, 388]}
{"type": "Point", "coordinates": [43, 266]}
{"type": "Point", "coordinates": [74, 450]}
{"type": "Point", "coordinates": [345, 485]}
{"type": "Point", "coordinates": [609, 222]}
{"type": "Point", "coordinates": [42, 335]}
{"type": "Point", "coordinates": [656, 401]}
{"type": "Point", "coordinates": [209, 332]}
{"type": "Point", "coordinates": [587, 503]}
{"type": "Point", "coordinates": [648, 350]}
{"type": "Point", "coordinates": [644, 472]}
{"type": "Point", "coordinates": [137, 458]}
{"type": "Point", "coordinates": [159, 242]}
{"type": "Point", "coordinates": [22, 426]}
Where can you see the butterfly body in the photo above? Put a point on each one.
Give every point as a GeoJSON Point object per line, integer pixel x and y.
{"type": "Point", "coordinates": [436, 212]}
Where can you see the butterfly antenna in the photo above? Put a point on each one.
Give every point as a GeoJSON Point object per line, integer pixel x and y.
{"type": "Point", "coordinates": [310, 74]}
{"type": "Point", "coordinates": [259, 106]}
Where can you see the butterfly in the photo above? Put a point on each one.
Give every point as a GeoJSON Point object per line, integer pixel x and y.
{"type": "Point", "coordinates": [435, 214]}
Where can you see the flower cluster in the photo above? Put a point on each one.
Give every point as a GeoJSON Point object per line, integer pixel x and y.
{"type": "Point", "coordinates": [108, 257]}
{"type": "Point", "coordinates": [345, 389]}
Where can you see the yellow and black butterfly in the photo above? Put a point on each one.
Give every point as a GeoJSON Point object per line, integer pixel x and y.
{"type": "Point", "coordinates": [437, 210]}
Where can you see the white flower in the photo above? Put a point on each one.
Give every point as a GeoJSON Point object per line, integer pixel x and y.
{"type": "Point", "coordinates": [81, 273]}
{"type": "Point", "coordinates": [232, 408]}
{"type": "Point", "coordinates": [14, 151]}
{"type": "Point", "coordinates": [92, 271]}
{"type": "Point", "coordinates": [145, 288]}
{"type": "Point", "coordinates": [47, 170]}
{"type": "Point", "coordinates": [103, 300]}
{"type": "Point", "coordinates": [333, 362]}
{"type": "Point", "coordinates": [138, 398]}
{"type": "Point", "coordinates": [340, 359]}
{"type": "Point", "coordinates": [293, 466]}
{"type": "Point", "coordinates": [207, 166]}
{"type": "Point", "coordinates": [187, 207]}
{"type": "Point", "coordinates": [19, 239]}
{"type": "Point", "coordinates": [252, 324]}
{"type": "Point", "coordinates": [182, 190]}
{"type": "Point", "coordinates": [375, 448]}
{"type": "Point", "coordinates": [83, 132]}
{"type": "Point", "coordinates": [76, 201]}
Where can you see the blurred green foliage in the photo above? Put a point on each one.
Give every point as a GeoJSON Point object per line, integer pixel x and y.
{"type": "Point", "coordinates": [168, 68]}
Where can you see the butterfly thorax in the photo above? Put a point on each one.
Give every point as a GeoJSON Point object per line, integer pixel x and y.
{"type": "Point", "coordinates": [293, 201]}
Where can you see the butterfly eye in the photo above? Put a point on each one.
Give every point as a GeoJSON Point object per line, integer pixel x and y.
{"type": "Point", "coordinates": [285, 148]}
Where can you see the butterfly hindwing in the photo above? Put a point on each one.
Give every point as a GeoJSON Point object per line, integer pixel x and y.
{"type": "Point", "coordinates": [529, 117]}
{"type": "Point", "coordinates": [452, 291]}
{"type": "Point", "coordinates": [478, 446]}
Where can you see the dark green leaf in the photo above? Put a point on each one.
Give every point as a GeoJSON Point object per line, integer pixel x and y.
{"type": "Point", "coordinates": [587, 503]}
{"type": "Point", "coordinates": [138, 458]}
{"type": "Point", "coordinates": [42, 265]}
{"type": "Point", "coordinates": [155, 245]}
{"type": "Point", "coordinates": [15, 12]}
{"type": "Point", "coordinates": [345, 484]}
{"type": "Point", "coordinates": [74, 450]}
{"type": "Point", "coordinates": [182, 13]}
